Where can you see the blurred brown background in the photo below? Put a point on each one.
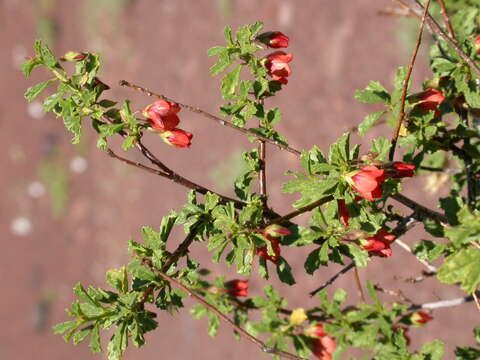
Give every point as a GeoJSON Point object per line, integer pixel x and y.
{"type": "Point", "coordinates": [67, 212]}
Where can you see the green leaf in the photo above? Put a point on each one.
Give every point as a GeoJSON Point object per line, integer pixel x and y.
{"type": "Point", "coordinates": [284, 272]}
{"type": "Point", "coordinates": [434, 350]}
{"type": "Point", "coordinates": [230, 82]}
{"type": "Point", "coordinates": [462, 267]}
{"type": "Point", "coordinates": [29, 65]}
{"type": "Point", "coordinates": [373, 93]}
{"type": "Point", "coordinates": [428, 250]}
{"type": "Point", "coordinates": [369, 121]}
{"type": "Point", "coordinates": [359, 256]}
{"type": "Point", "coordinates": [213, 324]}
{"type": "Point", "coordinates": [36, 90]}
{"type": "Point", "coordinates": [216, 50]}
{"type": "Point", "coordinates": [65, 326]}
{"type": "Point", "coordinates": [81, 334]}
{"type": "Point", "coordinates": [381, 147]}
{"type": "Point", "coordinates": [227, 33]}
{"type": "Point", "coordinates": [340, 151]}
{"type": "Point", "coordinates": [221, 65]}
{"type": "Point", "coordinates": [118, 279]}
{"type": "Point", "coordinates": [466, 353]}
{"type": "Point", "coordinates": [95, 344]}
{"type": "Point", "coordinates": [118, 343]}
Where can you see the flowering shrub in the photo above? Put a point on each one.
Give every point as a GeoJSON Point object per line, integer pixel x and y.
{"type": "Point", "coordinates": [349, 194]}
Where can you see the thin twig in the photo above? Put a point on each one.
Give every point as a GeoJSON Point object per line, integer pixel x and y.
{"type": "Point", "coordinates": [286, 218]}
{"type": "Point", "coordinates": [396, 293]}
{"type": "Point", "coordinates": [446, 19]}
{"type": "Point", "coordinates": [147, 262]}
{"type": "Point", "coordinates": [444, 303]}
{"type": "Point", "coordinates": [431, 268]}
{"type": "Point", "coordinates": [438, 31]}
{"type": "Point", "coordinates": [420, 209]}
{"type": "Point", "coordinates": [262, 176]}
{"type": "Point", "coordinates": [333, 278]}
{"type": "Point", "coordinates": [470, 173]}
{"type": "Point", "coordinates": [399, 230]}
{"type": "Point", "coordinates": [181, 250]}
{"type": "Point", "coordinates": [211, 117]}
{"type": "Point", "coordinates": [401, 114]}
{"type": "Point", "coordinates": [175, 178]}
{"type": "Point", "coordinates": [359, 284]}
{"type": "Point", "coordinates": [476, 301]}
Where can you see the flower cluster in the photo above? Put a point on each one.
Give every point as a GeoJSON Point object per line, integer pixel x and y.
{"type": "Point", "coordinates": [162, 117]}
{"type": "Point", "coordinates": [277, 62]}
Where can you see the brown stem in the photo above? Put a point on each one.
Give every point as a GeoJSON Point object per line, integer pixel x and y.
{"type": "Point", "coordinates": [359, 284]}
{"type": "Point", "coordinates": [396, 293]}
{"type": "Point", "coordinates": [420, 209]}
{"type": "Point", "coordinates": [401, 114]}
{"type": "Point", "coordinates": [175, 178]}
{"type": "Point", "coordinates": [262, 177]}
{"type": "Point", "coordinates": [286, 218]}
{"type": "Point", "coordinates": [211, 117]}
{"type": "Point", "coordinates": [446, 19]}
{"type": "Point", "coordinates": [438, 30]}
{"type": "Point", "coordinates": [147, 262]}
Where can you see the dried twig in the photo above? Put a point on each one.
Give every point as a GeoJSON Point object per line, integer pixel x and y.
{"type": "Point", "coordinates": [147, 262]}
{"type": "Point", "coordinates": [211, 117]}
{"type": "Point", "coordinates": [446, 19]}
{"type": "Point", "coordinates": [401, 114]}
{"type": "Point", "coordinates": [421, 210]}
{"type": "Point", "coordinates": [175, 178]}
{"type": "Point", "coordinates": [396, 293]}
{"type": "Point", "coordinates": [359, 284]}
{"type": "Point", "coordinates": [444, 303]}
{"type": "Point", "coordinates": [438, 31]}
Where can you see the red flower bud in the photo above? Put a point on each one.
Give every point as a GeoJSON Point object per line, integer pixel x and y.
{"type": "Point", "coordinates": [277, 66]}
{"type": "Point", "coordinates": [429, 99]}
{"type": "Point", "coordinates": [477, 44]}
{"type": "Point", "coordinates": [162, 115]}
{"type": "Point", "coordinates": [400, 170]}
{"type": "Point", "coordinates": [177, 137]}
{"type": "Point", "coordinates": [343, 211]}
{"type": "Point", "coordinates": [74, 56]}
{"type": "Point", "coordinates": [324, 346]}
{"type": "Point", "coordinates": [273, 39]}
{"type": "Point", "coordinates": [368, 182]}
{"type": "Point", "coordinates": [420, 318]}
{"type": "Point", "coordinates": [237, 287]}
{"type": "Point", "coordinates": [263, 251]}
{"type": "Point", "coordinates": [379, 244]}
{"type": "Point", "coordinates": [276, 230]}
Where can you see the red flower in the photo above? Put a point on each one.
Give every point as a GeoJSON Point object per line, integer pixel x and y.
{"type": "Point", "coordinates": [263, 251]}
{"type": "Point", "coordinates": [430, 99]}
{"type": "Point", "coordinates": [237, 287]}
{"type": "Point", "coordinates": [277, 66]}
{"type": "Point", "coordinates": [401, 170]}
{"type": "Point", "coordinates": [276, 230]}
{"type": "Point", "coordinates": [162, 115]}
{"type": "Point", "coordinates": [325, 345]}
{"type": "Point", "coordinates": [379, 244]}
{"type": "Point", "coordinates": [477, 44]}
{"type": "Point", "coordinates": [368, 182]}
{"type": "Point", "coordinates": [420, 318]}
{"type": "Point", "coordinates": [343, 211]}
{"type": "Point", "coordinates": [177, 137]}
{"type": "Point", "coordinates": [274, 39]}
